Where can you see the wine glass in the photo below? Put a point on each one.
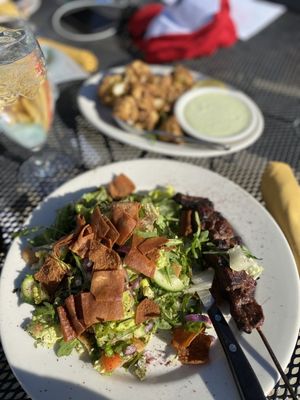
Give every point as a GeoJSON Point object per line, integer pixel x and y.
{"type": "Point", "coordinates": [26, 99]}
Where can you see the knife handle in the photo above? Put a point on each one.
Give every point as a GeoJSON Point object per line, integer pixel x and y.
{"type": "Point", "coordinates": [244, 376]}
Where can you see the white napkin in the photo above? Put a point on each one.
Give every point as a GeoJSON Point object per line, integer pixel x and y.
{"type": "Point", "coordinates": [252, 16]}
{"type": "Point", "coordinates": [184, 16]}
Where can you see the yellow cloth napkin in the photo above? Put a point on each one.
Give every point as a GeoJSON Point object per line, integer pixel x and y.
{"type": "Point", "coordinates": [8, 8]}
{"type": "Point", "coordinates": [281, 193]}
{"type": "Point", "coordinates": [85, 58]}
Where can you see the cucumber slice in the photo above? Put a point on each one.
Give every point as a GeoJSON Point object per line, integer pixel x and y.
{"type": "Point", "coordinates": [167, 281]}
{"type": "Point", "coordinates": [27, 287]}
{"type": "Point", "coordinates": [32, 292]}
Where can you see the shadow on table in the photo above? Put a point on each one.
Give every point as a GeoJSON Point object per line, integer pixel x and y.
{"type": "Point", "coordinates": [123, 36]}
{"type": "Point", "coordinates": [215, 377]}
{"type": "Point", "coordinates": [45, 388]}
{"type": "Point", "coordinates": [66, 104]}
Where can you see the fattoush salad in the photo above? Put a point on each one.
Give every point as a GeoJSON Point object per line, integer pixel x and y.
{"type": "Point", "coordinates": [117, 266]}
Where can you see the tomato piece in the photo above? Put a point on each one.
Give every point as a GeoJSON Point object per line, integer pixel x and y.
{"type": "Point", "coordinates": [110, 363]}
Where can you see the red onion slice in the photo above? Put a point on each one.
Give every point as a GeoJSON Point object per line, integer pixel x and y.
{"type": "Point", "coordinates": [149, 326]}
{"type": "Point", "coordinates": [197, 318]}
{"type": "Point", "coordinates": [130, 350]}
{"type": "Point", "coordinates": [136, 283]}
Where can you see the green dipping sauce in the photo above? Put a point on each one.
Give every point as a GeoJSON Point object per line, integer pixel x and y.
{"type": "Point", "coordinates": [217, 115]}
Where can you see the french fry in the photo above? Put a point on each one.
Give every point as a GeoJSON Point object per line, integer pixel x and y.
{"type": "Point", "coordinates": [32, 109]}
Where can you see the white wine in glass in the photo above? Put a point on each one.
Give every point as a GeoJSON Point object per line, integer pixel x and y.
{"type": "Point", "coordinates": [26, 101]}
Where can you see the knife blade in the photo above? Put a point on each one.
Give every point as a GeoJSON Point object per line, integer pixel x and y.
{"type": "Point", "coordinates": [245, 378]}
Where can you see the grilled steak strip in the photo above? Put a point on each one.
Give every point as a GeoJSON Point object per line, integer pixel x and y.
{"type": "Point", "coordinates": [237, 287]}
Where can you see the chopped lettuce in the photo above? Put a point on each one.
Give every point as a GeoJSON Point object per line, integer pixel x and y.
{"type": "Point", "coordinates": [43, 326]}
{"type": "Point", "coordinates": [146, 289]}
{"type": "Point", "coordinates": [63, 224]}
{"type": "Point", "coordinates": [170, 307]}
{"type": "Point", "coordinates": [65, 348]}
{"type": "Point", "coordinates": [128, 304]}
{"type": "Point", "coordinates": [89, 201]}
{"type": "Point", "coordinates": [112, 332]}
{"type": "Point", "coordinates": [146, 234]}
{"type": "Point", "coordinates": [149, 213]}
{"type": "Point", "coordinates": [198, 326]}
{"type": "Point", "coordinates": [199, 238]}
{"type": "Point", "coordinates": [138, 366]}
{"type": "Point", "coordinates": [165, 275]}
{"type": "Point", "coordinates": [86, 278]}
{"type": "Point", "coordinates": [45, 336]}
{"type": "Point", "coordinates": [174, 306]}
{"type": "Point", "coordinates": [159, 212]}
{"type": "Point", "coordinates": [161, 194]}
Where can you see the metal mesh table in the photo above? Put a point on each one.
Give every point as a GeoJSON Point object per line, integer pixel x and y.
{"type": "Point", "coordinates": [267, 68]}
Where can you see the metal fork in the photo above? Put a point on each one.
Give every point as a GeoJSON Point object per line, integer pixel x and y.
{"type": "Point", "coordinates": [158, 134]}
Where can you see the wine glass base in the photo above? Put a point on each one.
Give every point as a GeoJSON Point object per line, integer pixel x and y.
{"type": "Point", "coordinates": [40, 167]}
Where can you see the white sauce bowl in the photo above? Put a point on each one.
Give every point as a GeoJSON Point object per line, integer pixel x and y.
{"type": "Point", "coordinates": [217, 115]}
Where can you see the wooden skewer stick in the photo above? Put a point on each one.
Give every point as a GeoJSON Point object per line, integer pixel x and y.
{"type": "Point", "coordinates": [276, 362]}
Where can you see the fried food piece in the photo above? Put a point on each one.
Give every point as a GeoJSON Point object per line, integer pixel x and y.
{"type": "Point", "coordinates": [171, 125]}
{"type": "Point", "coordinates": [175, 91]}
{"type": "Point", "coordinates": [112, 87]}
{"type": "Point", "coordinates": [159, 86]}
{"type": "Point", "coordinates": [142, 97]}
{"type": "Point", "coordinates": [183, 76]}
{"type": "Point", "coordinates": [147, 119]}
{"type": "Point", "coordinates": [147, 97]}
{"type": "Point", "coordinates": [192, 347]}
{"type": "Point", "coordinates": [137, 72]}
{"type": "Point", "coordinates": [137, 112]}
{"type": "Point", "coordinates": [146, 310]}
{"type": "Point", "coordinates": [148, 115]}
{"type": "Point", "coordinates": [126, 109]}
{"type": "Point", "coordinates": [181, 80]}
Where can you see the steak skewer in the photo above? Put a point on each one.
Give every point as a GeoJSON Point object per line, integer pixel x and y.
{"type": "Point", "coordinates": [237, 287]}
{"type": "Point", "coordinates": [278, 366]}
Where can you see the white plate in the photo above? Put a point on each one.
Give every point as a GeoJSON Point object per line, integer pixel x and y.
{"type": "Point", "coordinates": [101, 117]}
{"type": "Point", "coordinates": [44, 376]}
